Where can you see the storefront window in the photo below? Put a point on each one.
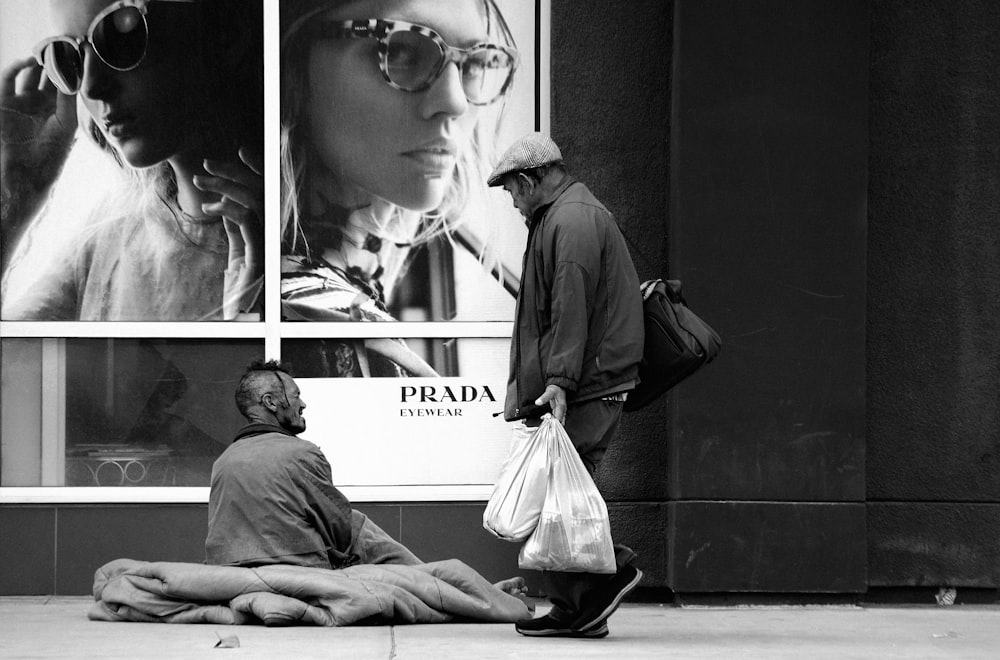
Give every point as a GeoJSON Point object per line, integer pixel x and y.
{"type": "Point", "coordinates": [130, 412]}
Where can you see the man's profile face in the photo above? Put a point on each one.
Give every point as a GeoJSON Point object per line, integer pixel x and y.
{"type": "Point", "coordinates": [517, 188]}
{"type": "Point", "coordinates": [290, 406]}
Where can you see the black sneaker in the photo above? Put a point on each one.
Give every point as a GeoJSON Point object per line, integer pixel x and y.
{"type": "Point", "coordinates": [546, 626]}
{"type": "Point", "coordinates": [603, 602]}
{"type": "Point", "coordinates": [600, 630]}
{"type": "Point", "coordinates": [543, 626]}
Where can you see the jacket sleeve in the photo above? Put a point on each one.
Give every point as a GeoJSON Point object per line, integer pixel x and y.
{"type": "Point", "coordinates": [329, 508]}
{"type": "Point", "coordinates": [576, 253]}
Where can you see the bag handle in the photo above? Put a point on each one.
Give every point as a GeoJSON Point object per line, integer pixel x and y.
{"type": "Point", "coordinates": [671, 289]}
{"type": "Point", "coordinates": [646, 288]}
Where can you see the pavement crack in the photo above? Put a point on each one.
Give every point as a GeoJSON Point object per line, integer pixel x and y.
{"type": "Point", "coordinates": [392, 642]}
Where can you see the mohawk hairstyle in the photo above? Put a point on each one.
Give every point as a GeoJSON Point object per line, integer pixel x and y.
{"type": "Point", "coordinates": [254, 384]}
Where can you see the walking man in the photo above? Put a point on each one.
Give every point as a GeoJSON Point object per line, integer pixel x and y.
{"type": "Point", "coordinates": [577, 343]}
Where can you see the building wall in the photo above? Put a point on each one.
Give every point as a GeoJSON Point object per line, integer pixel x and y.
{"type": "Point", "coordinates": [933, 477]}
{"type": "Point", "coordinates": [767, 224]}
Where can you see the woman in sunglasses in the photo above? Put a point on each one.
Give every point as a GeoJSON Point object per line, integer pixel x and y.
{"type": "Point", "coordinates": [173, 91]}
{"type": "Point", "coordinates": [383, 134]}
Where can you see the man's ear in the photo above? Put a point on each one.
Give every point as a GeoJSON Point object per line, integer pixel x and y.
{"type": "Point", "coordinates": [524, 184]}
{"type": "Point", "coordinates": [268, 402]}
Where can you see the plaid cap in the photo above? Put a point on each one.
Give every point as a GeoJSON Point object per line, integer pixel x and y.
{"type": "Point", "coordinates": [531, 150]}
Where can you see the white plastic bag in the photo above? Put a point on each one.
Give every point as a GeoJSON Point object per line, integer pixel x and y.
{"type": "Point", "coordinates": [573, 532]}
{"type": "Point", "coordinates": [516, 502]}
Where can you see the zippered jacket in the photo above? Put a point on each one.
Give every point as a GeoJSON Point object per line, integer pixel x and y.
{"type": "Point", "coordinates": [578, 321]}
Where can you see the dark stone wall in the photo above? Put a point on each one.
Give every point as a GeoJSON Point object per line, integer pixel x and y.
{"type": "Point", "coordinates": [767, 230]}
{"type": "Point", "coordinates": [610, 118]}
{"type": "Point", "coordinates": [768, 190]}
{"type": "Point", "coordinates": [934, 293]}
{"type": "Point", "coordinates": [934, 247]}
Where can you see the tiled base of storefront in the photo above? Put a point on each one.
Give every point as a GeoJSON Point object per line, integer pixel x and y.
{"type": "Point", "coordinates": [55, 549]}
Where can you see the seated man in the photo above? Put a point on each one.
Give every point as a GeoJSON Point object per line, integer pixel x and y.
{"type": "Point", "coordinates": [272, 497]}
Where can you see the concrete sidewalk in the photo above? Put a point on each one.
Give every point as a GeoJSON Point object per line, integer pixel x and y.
{"type": "Point", "coordinates": [35, 627]}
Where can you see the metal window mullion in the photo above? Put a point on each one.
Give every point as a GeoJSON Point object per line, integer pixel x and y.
{"type": "Point", "coordinates": [544, 66]}
{"type": "Point", "coordinates": [134, 329]}
{"type": "Point", "coordinates": [53, 422]}
{"type": "Point", "coordinates": [272, 187]}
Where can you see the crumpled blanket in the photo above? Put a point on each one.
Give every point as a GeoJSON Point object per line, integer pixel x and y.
{"type": "Point", "coordinates": [284, 595]}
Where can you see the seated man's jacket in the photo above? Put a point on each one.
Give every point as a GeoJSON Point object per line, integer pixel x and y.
{"type": "Point", "coordinates": [273, 501]}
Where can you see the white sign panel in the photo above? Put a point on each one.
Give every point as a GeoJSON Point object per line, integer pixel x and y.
{"type": "Point", "coordinates": [408, 431]}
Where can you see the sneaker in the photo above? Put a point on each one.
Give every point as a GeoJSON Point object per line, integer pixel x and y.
{"type": "Point", "coordinates": [604, 601]}
{"type": "Point", "coordinates": [600, 630]}
{"type": "Point", "coordinates": [546, 626]}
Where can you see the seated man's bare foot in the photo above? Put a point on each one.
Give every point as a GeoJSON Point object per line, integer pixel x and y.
{"type": "Point", "coordinates": [512, 586]}
{"type": "Point", "coordinates": [516, 587]}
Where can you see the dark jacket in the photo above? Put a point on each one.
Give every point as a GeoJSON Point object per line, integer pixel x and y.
{"type": "Point", "coordinates": [273, 501]}
{"type": "Point", "coordinates": [578, 322]}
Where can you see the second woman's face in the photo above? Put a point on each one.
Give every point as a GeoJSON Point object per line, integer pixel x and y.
{"type": "Point", "coordinates": [146, 113]}
{"type": "Point", "coordinates": [376, 140]}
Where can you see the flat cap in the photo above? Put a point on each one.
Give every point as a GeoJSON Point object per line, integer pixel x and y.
{"type": "Point", "coordinates": [528, 151]}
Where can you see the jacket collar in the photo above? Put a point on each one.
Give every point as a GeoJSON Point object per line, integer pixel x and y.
{"type": "Point", "coordinates": [259, 428]}
{"type": "Point", "coordinates": [566, 182]}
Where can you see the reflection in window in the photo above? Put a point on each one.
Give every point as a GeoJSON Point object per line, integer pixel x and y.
{"type": "Point", "coordinates": [427, 292]}
{"type": "Point", "coordinates": [370, 357]}
{"type": "Point", "coordinates": [482, 359]}
{"type": "Point", "coordinates": [118, 412]}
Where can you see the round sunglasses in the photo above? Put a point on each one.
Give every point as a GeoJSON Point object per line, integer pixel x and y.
{"type": "Point", "coordinates": [118, 35]}
{"type": "Point", "coordinates": [411, 57]}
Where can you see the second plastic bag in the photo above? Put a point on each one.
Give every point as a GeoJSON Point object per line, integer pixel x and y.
{"type": "Point", "coordinates": [516, 502]}
{"type": "Point", "coordinates": [573, 532]}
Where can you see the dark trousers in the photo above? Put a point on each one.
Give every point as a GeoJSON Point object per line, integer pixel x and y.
{"type": "Point", "coordinates": [591, 425]}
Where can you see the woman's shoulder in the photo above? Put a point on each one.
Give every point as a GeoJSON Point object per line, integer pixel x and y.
{"type": "Point", "coordinates": [315, 291]}
{"type": "Point", "coordinates": [46, 281]}
{"type": "Point", "coordinates": [109, 224]}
